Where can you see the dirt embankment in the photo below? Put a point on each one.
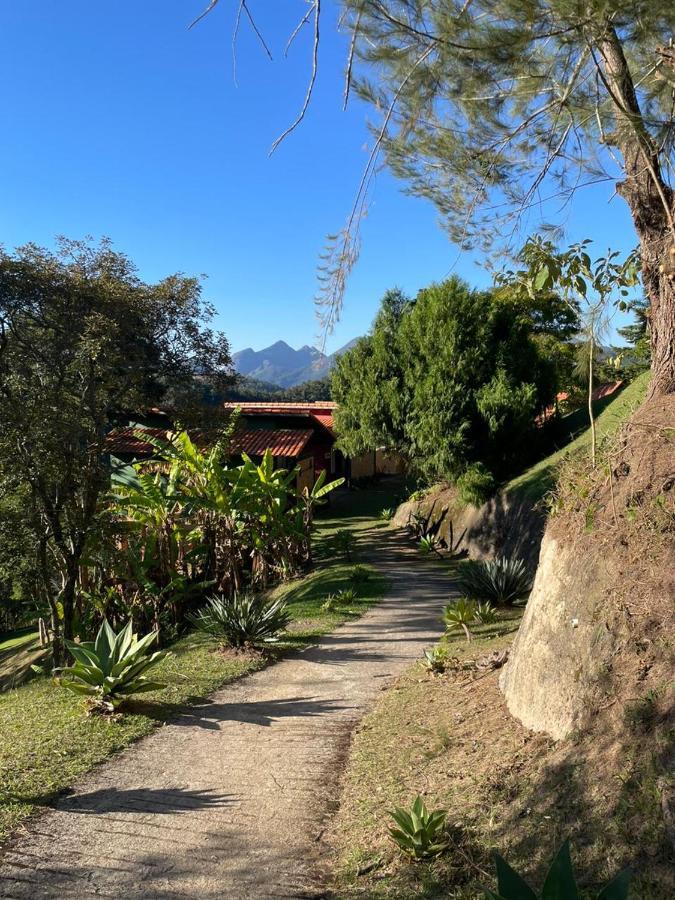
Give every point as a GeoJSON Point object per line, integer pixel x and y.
{"type": "Point", "coordinates": [508, 524]}
{"type": "Point", "coordinates": [598, 628]}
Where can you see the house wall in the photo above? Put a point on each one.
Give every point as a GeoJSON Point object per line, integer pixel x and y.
{"type": "Point", "coordinates": [389, 462]}
{"type": "Point", "coordinates": [363, 466]}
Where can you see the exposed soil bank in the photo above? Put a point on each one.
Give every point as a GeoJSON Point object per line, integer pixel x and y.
{"type": "Point", "coordinates": [507, 524]}
{"type": "Point", "coordinates": [599, 622]}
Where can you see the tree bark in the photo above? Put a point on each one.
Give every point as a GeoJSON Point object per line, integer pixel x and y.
{"type": "Point", "coordinates": [651, 204]}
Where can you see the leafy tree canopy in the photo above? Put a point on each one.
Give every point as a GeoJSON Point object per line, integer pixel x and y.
{"type": "Point", "coordinates": [453, 379]}
{"type": "Point", "coordinates": [83, 344]}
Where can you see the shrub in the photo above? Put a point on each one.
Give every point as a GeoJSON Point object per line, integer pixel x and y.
{"type": "Point", "coordinates": [110, 668]}
{"type": "Point", "coordinates": [341, 598]}
{"type": "Point", "coordinates": [460, 614]}
{"type": "Point", "coordinates": [243, 620]}
{"type": "Point", "coordinates": [560, 883]}
{"type": "Point", "coordinates": [476, 485]}
{"type": "Point", "coordinates": [419, 833]}
{"type": "Point", "coordinates": [359, 575]}
{"type": "Point", "coordinates": [329, 604]}
{"type": "Point", "coordinates": [387, 513]}
{"type": "Point", "coordinates": [501, 580]}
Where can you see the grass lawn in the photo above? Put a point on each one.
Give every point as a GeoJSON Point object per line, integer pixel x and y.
{"type": "Point", "coordinates": [540, 478]}
{"type": "Point", "coordinates": [19, 638]}
{"type": "Point", "coordinates": [438, 735]}
{"type": "Point", "coordinates": [47, 739]}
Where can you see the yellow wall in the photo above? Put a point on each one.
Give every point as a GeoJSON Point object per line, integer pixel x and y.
{"type": "Point", "coordinates": [363, 466]}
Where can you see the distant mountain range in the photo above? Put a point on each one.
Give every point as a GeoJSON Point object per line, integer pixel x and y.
{"type": "Point", "coordinates": [281, 365]}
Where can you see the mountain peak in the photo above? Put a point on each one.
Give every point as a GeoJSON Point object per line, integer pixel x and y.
{"type": "Point", "coordinates": [280, 364]}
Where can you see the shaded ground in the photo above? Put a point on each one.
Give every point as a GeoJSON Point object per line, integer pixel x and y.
{"type": "Point", "coordinates": [229, 800]}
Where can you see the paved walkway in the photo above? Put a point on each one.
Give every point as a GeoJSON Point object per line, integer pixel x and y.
{"type": "Point", "coordinates": [230, 800]}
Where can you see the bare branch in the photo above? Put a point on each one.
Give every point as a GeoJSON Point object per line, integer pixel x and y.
{"type": "Point", "coordinates": [316, 6]}
{"type": "Point", "coordinates": [297, 28]}
{"type": "Point", "coordinates": [350, 59]}
{"type": "Point", "coordinates": [341, 258]}
{"type": "Point", "coordinates": [212, 5]}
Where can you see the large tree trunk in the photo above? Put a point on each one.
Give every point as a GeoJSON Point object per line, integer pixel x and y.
{"type": "Point", "coordinates": [652, 208]}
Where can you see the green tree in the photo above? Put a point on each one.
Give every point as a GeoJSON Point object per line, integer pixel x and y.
{"type": "Point", "coordinates": [590, 285]}
{"type": "Point", "coordinates": [475, 380]}
{"type": "Point", "coordinates": [369, 386]}
{"type": "Point", "coordinates": [490, 105]}
{"type": "Point", "coordinates": [637, 357]}
{"type": "Point", "coordinates": [451, 380]}
{"type": "Point", "coordinates": [84, 342]}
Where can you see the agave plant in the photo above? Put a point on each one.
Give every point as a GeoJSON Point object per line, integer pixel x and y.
{"type": "Point", "coordinates": [486, 614]}
{"type": "Point", "coordinates": [501, 580]}
{"type": "Point", "coordinates": [560, 883]}
{"type": "Point", "coordinates": [436, 659]}
{"type": "Point", "coordinates": [460, 614]}
{"type": "Point", "coordinates": [387, 513]}
{"type": "Point", "coordinates": [243, 620]}
{"type": "Point", "coordinates": [110, 668]}
{"type": "Point", "coordinates": [428, 543]}
{"type": "Point", "coordinates": [419, 832]}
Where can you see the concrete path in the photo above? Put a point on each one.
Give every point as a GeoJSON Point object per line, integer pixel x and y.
{"type": "Point", "coordinates": [230, 800]}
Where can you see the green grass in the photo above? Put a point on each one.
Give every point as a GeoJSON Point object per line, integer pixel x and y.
{"type": "Point", "coordinates": [16, 639]}
{"type": "Point", "coordinates": [540, 478]}
{"type": "Point", "coordinates": [48, 741]}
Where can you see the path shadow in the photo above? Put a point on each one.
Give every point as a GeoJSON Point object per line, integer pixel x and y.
{"type": "Point", "coordinates": [159, 800]}
{"type": "Point", "coordinates": [211, 714]}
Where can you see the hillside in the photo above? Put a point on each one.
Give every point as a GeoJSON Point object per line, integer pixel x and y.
{"type": "Point", "coordinates": [281, 365]}
{"type": "Point", "coordinates": [611, 413]}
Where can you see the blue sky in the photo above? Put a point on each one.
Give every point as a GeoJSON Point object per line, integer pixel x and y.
{"type": "Point", "coordinates": [119, 121]}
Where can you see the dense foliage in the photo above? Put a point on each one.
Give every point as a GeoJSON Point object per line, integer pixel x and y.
{"type": "Point", "coordinates": [451, 380]}
{"type": "Point", "coordinates": [187, 520]}
{"type": "Point", "coordinates": [83, 341]}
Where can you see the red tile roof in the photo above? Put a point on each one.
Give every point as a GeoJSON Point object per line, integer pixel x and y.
{"type": "Point", "coordinates": [320, 412]}
{"type": "Point", "coordinates": [290, 407]}
{"type": "Point", "coordinates": [281, 441]}
{"type": "Point", "coordinates": [126, 440]}
{"type": "Point", "coordinates": [289, 442]}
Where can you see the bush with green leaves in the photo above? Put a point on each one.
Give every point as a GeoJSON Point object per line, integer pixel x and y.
{"type": "Point", "coordinates": [419, 833]}
{"type": "Point", "coordinates": [501, 580]}
{"type": "Point", "coordinates": [110, 668]}
{"type": "Point", "coordinates": [560, 883]}
{"type": "Point", "coordinates": [476, 485]}
{"type": "Point", "coordinates": [387, 513]}
{"type": "Point", "coordinates": [460, 614]}
{"type": "Point", "coordinates": [245, 620]}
